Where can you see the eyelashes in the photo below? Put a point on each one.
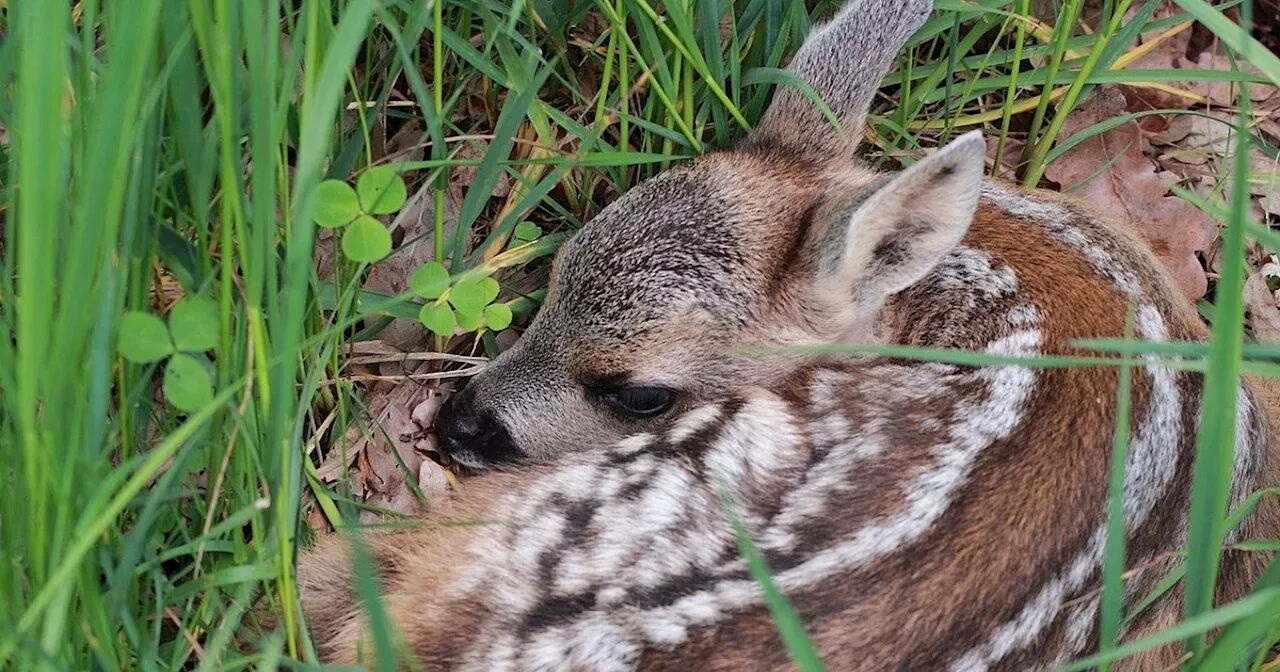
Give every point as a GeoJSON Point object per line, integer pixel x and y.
{"type": "Point", "coordinates": [638, 402]}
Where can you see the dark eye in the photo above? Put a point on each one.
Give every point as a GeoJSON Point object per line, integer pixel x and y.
{"type": "Point", "coordinates": [640, 402]}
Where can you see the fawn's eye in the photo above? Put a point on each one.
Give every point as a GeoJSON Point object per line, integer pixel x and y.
{"type": "Point", "coordinates": [640, 402]}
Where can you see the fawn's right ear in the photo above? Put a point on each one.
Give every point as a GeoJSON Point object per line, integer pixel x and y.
{"type": "Point", "coordinates": [844, 62]}
{"type": "Point", "coordinates": [894, 233]}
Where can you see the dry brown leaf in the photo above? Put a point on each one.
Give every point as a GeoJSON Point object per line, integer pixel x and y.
{"type": "Point", "coordinates": [424, 414]}
{"type": "Point", "coordinates": [1264, 312]}
{"type": "Point", "coordinates": [1110, 171]}
{"type": "Point", "coordinates": [1008, 160]}
{"type": "Point", "coordinates": [1198, 139]}
{"type": "Point", "coordinates": [1200, 149]}
{"type": "Point", "coordinates": [1264, 180]}
{"type": "Point", "coordinates": [317, 521]}
{"type": "Point", "coordinates": [390, 418]}
{"type": "Point", "coordinates": [461, 177]}
{"type": "Point", "coordinates": [1186, 47]}
{"type": "Point", "coordinates": [1183, 46]}
{"type": "Point", "coordinates": [402, 414]}
{"type": "Point", "coordinates": [434, 483]}
{"type": "Point", "coordinates": [1267, 113]}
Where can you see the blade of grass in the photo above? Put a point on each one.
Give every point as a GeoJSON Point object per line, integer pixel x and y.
{"type": "Point", "coordinates": [1216, 439]}
{"type": "Point", "coordinates": [790, 629]}
{"type": "Point", "coordinates": [1114, 552]}
{"type": "Point", "coordinates": [1236, 37]}
{"type": "Point", "coordinates": [1196, 626]}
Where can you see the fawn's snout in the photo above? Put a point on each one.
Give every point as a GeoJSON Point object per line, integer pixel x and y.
{"type": "Point", "coordinates": [472, 435]}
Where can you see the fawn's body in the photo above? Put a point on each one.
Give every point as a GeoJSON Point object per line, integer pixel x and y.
{"type": "Point", "coordinates": [916, 515]}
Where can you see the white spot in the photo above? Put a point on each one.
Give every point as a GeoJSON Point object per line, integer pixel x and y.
{"type": "Point", "coordinates": [1057, 220]}
{"type": "Point", "coordinates": [598, 643]}
{"type": "Point", "coordinates": [1245, 464]}
{"type": "Point", "coordinates": [1080, 623]}
{"type": "Point", "coordinates": [761, 440]}
{"type": "Point", "coordinates": [633, 444]}
{"type": "Point", "coordinates": [971, 271]}
{"type": "Point", "coordinates": [1022, 316]}
{"type": "Point", "coordinates": [1021, 204]}
{"type": "Point", "coordinates": [929, 494]}
{"type": "Point", "coordinates": [1151, 458]}
{"type": "Point", "coordinates": [692, 422]}
{"type": "Point", "coordinates": [834, 474]}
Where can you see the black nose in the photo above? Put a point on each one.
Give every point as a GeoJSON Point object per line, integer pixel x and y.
{"type": "Point", "coordinates": [465, 427]}
{"type": "Point", "coordinates": [471, 435]}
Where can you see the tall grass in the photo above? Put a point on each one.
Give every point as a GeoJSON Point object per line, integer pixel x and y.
{"type": "Point", "coordinates": [161, 149]}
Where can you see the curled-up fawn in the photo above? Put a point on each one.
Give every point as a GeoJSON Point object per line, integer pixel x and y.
{"type": "Point", "coordinates": [917, 516]}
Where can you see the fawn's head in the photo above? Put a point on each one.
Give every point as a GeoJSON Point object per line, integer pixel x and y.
{"type": "Point", "coordinates": [783, 239]}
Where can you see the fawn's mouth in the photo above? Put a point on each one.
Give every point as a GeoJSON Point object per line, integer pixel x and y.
{"type": "Point", "coordinates": [469, 460]}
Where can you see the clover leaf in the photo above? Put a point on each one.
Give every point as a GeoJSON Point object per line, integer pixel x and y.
{"type": "Point", "coordinates": [336, 204]}
{"type": "Point", "coordinates": [381, 190]}
{"type": "Point", "coordinates": [366, 240]}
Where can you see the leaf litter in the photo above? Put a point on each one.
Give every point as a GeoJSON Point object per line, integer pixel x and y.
{"type": "Point", "coordinates": [1112, 173]}
{"type": "Point", "coordinates": [1183, 135]}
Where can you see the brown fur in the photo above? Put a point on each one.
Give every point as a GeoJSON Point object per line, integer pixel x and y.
{"type": "Point", "coordinates": [777, 242]}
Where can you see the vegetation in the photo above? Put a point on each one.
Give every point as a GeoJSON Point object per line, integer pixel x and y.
{"type": "Point", "coordinates": [185, 280]}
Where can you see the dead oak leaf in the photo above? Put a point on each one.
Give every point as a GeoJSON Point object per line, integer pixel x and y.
{"type": "Point", "coordinates": [1009, 156]}
{"type": "Point", "coordinates": [1264, 309]}
{"type": "Point", "coordinates": [1110, 171]}
{"type": "Point", "coordinates": [1186, 45]}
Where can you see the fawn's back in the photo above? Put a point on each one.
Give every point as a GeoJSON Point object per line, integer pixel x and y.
{"type": "Point", "coordinates": [916, 515]}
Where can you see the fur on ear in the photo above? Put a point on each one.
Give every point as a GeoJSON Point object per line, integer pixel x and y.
{"type": "Point", "coordinates": [895, 232]}
{"type": "Point", "coordinates": [844, 62]}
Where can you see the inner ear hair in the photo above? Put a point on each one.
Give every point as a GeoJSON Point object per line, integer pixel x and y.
{"type": "Point", "coordinates": [896, 231]}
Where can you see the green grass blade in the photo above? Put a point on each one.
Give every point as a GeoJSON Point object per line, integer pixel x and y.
{"type": "Point", "coordinates": [1235, 37]}
{"type": "Point", "coordinates": [1114, 556]}
{"type": "Point", "coordinates": [1216, 438]}
{"type": "Point", "coordinates": [790, 628]}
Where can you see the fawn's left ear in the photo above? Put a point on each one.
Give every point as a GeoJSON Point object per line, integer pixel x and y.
{"type": "Point", "coordinates": [901, 230]}
{"type": "Point", "coordinates": [843, 61]}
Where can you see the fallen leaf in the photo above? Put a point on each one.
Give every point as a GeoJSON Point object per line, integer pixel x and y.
{"type": "Point", "coordinates": [1185, 46]}
{"type": "Point", "coordinates": [1264, 312]}
{"type": "Point", "coordinates": [434, 483]}
{"type": "Point", "coordinates": [461, 177]}
{"type": "Point", "coordinates": [1203, 148]}
{"type": "Point", "coordinates": [1198, 139]}
{"type": "Point", "coordinates": [1110, 171]}
{"type": "Point", "coordinates": [1008, 160]}
{"type": "Point", "coordinates": [389, 422]}
{"type": "Point", "coordinates": [424, 414]}
{"type": "Point", "coordinates": [1264, 180]}
{"type": "Point", "coordinates": [318, 522]}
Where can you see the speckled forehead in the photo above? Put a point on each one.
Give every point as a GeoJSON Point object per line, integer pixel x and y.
{"type": "Point", "coordinates": [706, 234]}
{"type": "Point", "coordinates": [649, 356]}
{"type": "Point", "coordinates": [675, 218]}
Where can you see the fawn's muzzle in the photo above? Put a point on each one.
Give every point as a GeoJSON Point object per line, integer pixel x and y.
{"type": "Point", "coordinates": [473, 436]}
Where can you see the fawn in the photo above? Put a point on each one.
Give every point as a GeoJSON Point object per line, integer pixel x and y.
{"type": "Point", "coordinates": [916, 515]}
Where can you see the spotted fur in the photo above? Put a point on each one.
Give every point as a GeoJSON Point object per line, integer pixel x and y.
{"type": "Point", "coordinates": [916, 515]}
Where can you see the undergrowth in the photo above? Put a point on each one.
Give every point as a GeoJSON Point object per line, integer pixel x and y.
{"type": "Point", "coordinates": [160, 152]}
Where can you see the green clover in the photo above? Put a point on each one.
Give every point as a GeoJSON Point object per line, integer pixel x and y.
{"type": "Point", "coordinates": [378, 191]}
{"type": "Point", "coordinates": [466, 304]}
{"type": "Point", "coordinates": [191, 331]}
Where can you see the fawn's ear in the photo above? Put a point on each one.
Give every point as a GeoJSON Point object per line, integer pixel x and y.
{"type": "Point", "coordinates": [843, 61]}
{"type": "Point", "coordinates": [894, 233]}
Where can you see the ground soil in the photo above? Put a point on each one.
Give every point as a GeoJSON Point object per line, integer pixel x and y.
{"type": "Point", "coordinates": [1267, 23]}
